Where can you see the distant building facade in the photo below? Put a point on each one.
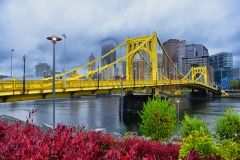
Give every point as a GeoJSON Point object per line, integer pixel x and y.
{"type": "Point", "coordinates": [170, 47]}
{"type": "Point", "coordinates": [90, 59]}
{"type": "Point", "coordinates": [236, 72]}
{"type": "Point", "coordinates": [138, 69]}
{"type": "Point", "coordinates": [93, 66]}
{"type": "Point", "coordinates": [107, 46]}
{"type": "Point", "coordinates": [195, 50]}
{"type": "Point", "coordinates": [222, 64]}
{"type": "Point", "coordinates": [42, 70]}
{"type": "Point", "coordinates": [188, 63]}
{"type": "Point", "coordinates": [181, 49]}
{"type": "Point", "coordinates": [124, 68]}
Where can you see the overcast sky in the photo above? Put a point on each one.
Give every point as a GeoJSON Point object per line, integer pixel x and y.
{"type": "Point", "coordinates": [25, 25]}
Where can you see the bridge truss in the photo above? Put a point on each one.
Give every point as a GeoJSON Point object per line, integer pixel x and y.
{"type": "Point", "coordinates": [155, 70]}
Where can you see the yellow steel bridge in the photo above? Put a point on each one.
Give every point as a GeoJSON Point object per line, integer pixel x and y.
{"type": "Point", "coordinates": [159, 72]}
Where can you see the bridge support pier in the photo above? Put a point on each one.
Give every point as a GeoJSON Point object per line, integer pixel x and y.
{"type": "Point", "coordinates": [217, 94]}
{"type": "Point", "coordinates": [200, 95]}
{"type": "Point", "coordinates": [133, 103]}
{"type": "Point", "coordinates": [129, 93]}
{"type": "Point", "coordinates": [155, 91]}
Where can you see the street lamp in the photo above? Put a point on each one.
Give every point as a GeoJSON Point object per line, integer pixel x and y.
{"type": "Point", "coordinates": [64, 70]}
{"type": "Point", "coordinates": [11, 61]}
{"type": "Point", "coordinates": [24, 58]}
{"type": "Point", "coordinates": [122, 103]}
{"type": "Point", "coordinates": [54, 39]}
{"type": "Point", "coordinates": [178, 113]}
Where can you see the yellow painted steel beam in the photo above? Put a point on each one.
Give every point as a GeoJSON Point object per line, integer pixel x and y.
{"type": "Point", "coordinates": [11, 90]}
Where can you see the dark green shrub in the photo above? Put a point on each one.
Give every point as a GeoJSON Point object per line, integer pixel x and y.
{"type": "Point", "coordinates": [158, 119]}
{"type": "Point", "coordinates": [228, 126]}
{"type": "Point", "coordinates": [192, 124]}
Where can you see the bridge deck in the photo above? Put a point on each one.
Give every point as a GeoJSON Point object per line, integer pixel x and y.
{"type": "Point", "coordinates": [41, 89]}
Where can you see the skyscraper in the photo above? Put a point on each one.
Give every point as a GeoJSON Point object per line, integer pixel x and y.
{"type": "Point", "coordinates": [222, 64]}
{"type": "Point", "coordinates": [90, 59]}
{"type": "Point", "coordinates": [42, 69]}
{"type": "Point", "coordinates": [181, 53]}
{"type": "Point", "coordinates": [171, 48]}
{"type": "Point", "coordinates": [195, 50]}
{"type": "Point", "coordinates": [93, 66]}
{"type": "Point", "coordinates": [108, 45]}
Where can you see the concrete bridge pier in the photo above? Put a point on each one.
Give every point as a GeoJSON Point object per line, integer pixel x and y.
{"type": "Point", "coordinates": [155, 91]}
{"type": "Point", "coordinates": [134, 103]}
{"type": "Point", "coordinates": [217, 94]}
{"type": "Point", "coordinates": [200, 95]}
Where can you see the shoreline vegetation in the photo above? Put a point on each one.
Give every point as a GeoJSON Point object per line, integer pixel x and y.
{"type": "Point", "coordinates": [69, 142]}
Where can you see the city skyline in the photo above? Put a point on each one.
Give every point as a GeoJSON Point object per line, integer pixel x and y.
{"type": "Point", "coordinates": [26, 25]}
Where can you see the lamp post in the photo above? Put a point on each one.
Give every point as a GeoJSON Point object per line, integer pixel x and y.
{"type": "Point", "coordinates": [98, 76]}
{"type": "Point", "coordinates": [54, 39]}
{"type": "Point", "coordinates": [11, 61]}
{"type": "Point", "coordinates": [64, 70]}
{"type": "Point", "coordinates": [24, 58]}
{"type": "Point", "coordinates": [178, 113]}
{"type": "Point", "coordinates": [122, 103]}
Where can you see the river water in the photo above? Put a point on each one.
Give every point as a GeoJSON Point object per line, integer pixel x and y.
{"type": "Point", "coordinates": [102, 112]}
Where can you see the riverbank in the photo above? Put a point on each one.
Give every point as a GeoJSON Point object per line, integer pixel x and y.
{"type": "Point", "coordinates": [230, 96]}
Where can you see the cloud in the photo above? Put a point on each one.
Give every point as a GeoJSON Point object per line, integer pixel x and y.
{"type": "Point", "coordinates": [25, 25]}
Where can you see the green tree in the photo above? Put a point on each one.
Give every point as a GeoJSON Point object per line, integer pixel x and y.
{"type": "Point", "coordinates": [192, 124]}
{"type": "Point", "coordinates": [158, 119]}
{"type": "Point", "coordinates": [228, 126]}
{"type": "Point", "coordinates": [234, 84]}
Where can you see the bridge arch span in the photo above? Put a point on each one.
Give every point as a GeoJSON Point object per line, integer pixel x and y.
{"type": "Point", "coordinates": [143, 43]}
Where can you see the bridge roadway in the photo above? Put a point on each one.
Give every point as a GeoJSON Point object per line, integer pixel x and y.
{"type": "Point", "coordinates": [12, 90]}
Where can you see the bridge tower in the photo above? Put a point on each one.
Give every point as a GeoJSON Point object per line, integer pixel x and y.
{"type": "Point", "coordinates": [135, 45]}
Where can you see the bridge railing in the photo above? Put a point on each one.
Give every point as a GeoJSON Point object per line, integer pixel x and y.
{"type": "Point", "coordinates": [17, 85]}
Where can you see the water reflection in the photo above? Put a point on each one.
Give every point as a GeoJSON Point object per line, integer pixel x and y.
{"type": "Point", "coordinates": [96, 112]}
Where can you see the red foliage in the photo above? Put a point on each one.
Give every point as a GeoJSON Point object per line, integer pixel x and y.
{"type": "Point", "coordinates": [26, 141]}
{"type": "Point", "coordinates": [193, 155]}
{"type": "Point", "coordinates": [2, 134]}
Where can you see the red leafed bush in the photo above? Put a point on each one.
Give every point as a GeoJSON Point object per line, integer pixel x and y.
{"type": "Point", "coordinates": [194, 155]}
{"type": "Point", "coordinates": [135, 148]}
{"type": "Point", "coordinates": [21, 141]}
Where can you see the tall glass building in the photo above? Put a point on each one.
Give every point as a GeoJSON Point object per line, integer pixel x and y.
{"type": "Point", "coordinates": [108, 45]}
{"type": "Point", "coordinates": [222, 64]}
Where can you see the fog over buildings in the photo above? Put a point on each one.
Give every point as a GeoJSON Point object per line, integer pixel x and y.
{"type": "Point", "coordinates": [25, 25]}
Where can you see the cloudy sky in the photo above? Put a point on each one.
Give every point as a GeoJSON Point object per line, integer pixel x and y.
{"type": "Point", "coordinates": [25, 25]}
